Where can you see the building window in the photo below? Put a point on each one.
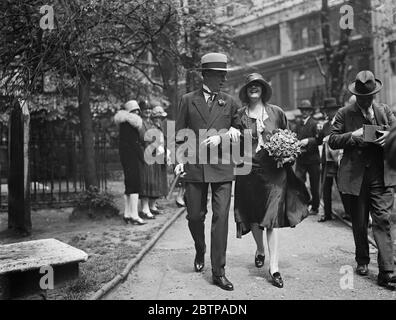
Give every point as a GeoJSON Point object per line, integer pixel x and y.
{"type": "Point", "coordinates": [308, 84]}
{"type": "Point", "coordinates": [305, 32]}
{"type": "Point", "coordinates": [259, 46]}
{"type": "Point", "coordinates": [392, 56]}
{"type": "Point", "coordinates": [394, 15]}
{"type": "Point", "coordinates": [230, 10]}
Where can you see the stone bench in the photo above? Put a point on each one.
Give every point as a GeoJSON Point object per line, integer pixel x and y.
{"type": "Point", "coordinates": [20, 265]}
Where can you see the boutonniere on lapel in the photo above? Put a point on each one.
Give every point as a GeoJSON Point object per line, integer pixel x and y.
{"type": "Point", "coordinates": [221, 102]}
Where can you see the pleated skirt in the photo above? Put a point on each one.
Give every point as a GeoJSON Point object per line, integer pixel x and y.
{"type": "Point", "coordinates": [153, 179]}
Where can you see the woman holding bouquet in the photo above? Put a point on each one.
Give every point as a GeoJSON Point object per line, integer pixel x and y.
{"type": "Point", "coordinates": [270, 196]}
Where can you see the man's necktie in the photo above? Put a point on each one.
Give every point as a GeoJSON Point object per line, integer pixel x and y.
{"type": "Point", "coordinates": [211, 99]}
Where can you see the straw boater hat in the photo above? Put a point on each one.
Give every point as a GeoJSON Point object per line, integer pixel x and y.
{"type": "Point", "coordinates": [365, 84]}
{"type": "Point", "coordinates": [214, 61]}
{"type": "Point", "coordinates": [131, 105]}
{"type": "Point", "coordinates": [305, 104]}
{"type": "Point", "coordinates": [330, 103]}
{"type": "Point", "coordinates": [158, 111]}
{"type": "Point", "coordinates": [256, 77]}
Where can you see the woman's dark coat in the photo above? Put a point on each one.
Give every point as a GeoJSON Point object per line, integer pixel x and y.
{"type": "Point", "coordinates": [130, 149]}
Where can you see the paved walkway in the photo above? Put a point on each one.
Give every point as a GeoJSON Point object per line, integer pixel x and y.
{"type": "Point", "coordinates": [315, 258]}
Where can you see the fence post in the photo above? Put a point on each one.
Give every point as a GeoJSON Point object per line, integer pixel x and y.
{"type": "Point", "coordinates": [19, 217]}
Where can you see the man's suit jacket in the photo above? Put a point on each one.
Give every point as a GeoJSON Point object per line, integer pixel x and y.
{"type": "Point", "coordinates": [194, 114]}
{"type": "Point", "coordinates": [358, 154]}
{"type": "Point", "coordinates": [390, 148]}
{"type": "Point", "coordinates": [310, 131]}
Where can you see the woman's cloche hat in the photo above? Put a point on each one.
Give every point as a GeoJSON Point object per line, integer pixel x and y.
{"type": "Point", "coordinates": [256, 77]}
{"type": "Point", "coordinates": [131, 105]}
{"type": "Point", "coordinates": [365, 84]}
{"type": "Point", "coordinates": [158, 111]}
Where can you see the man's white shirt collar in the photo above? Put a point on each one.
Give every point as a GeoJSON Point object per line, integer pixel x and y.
{"type": "Point", "coordinates": [206, 95]}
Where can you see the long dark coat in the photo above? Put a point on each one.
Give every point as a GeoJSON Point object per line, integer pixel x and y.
{"type": "Point", "coordinates": [358, 154]}
{"type": "Point", "coordinates": [289, 206]}
{"type": "Point", "coordinates": [309, 131]}
{"type": "Point", "coordinates": [130, 149]}
{"type": "Point", "coordinates": [390, 148]}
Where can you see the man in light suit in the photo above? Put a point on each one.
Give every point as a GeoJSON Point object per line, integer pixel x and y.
{"type": "Point", "coordinates": [206, 109]}
{"type": "Point", "coordinates": [364, 177]}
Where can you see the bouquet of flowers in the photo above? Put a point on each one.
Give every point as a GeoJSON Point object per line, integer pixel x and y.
{"type": "Point", "coordinates": [283, 146]}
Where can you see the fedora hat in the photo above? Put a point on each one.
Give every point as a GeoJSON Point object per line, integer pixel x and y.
{"type": "Point", "coordinates": [131, 105]}
{"type": "Point", "coordinates": [330, 103]}
{"type": "Point", "coordinates": [256, 77]}
{"type": "Point", "coordinates": [158, 111]}
{"type": "Point", "coordinates": [305, 104]}
{"type": "Point", "coordinates": [365, 84]}
{"type": "Point", "coordinates": [214, 61]}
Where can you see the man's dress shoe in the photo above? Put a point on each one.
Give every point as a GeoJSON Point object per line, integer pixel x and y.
{"type": "Point", "coordinates": [223, 283]}
{"type": "Point", "coordinates": [277, 280]}
{"type": "Point", "coordinates": [259, 260]}
{"type": "Point", "coordinates": [199, 263]}
{"type": "Point", "coordinates": [324, 219]}
{"type": "Point", "coordinates": [387, 280]}
{"type": "Point", "coordinates": [362, 269]}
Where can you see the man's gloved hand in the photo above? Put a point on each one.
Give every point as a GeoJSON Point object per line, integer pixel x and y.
{"type": "Point", "coordinates": [179, 169]}
{"type": "Point", "coordinates": [234, 134]}
{"type": "Point", "coordinates": [212, 141]}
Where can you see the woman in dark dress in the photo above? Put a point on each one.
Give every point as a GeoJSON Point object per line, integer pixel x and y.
{"type": "Point", "coordinates": [131, 156]}
{"type": "Point", "coordinates": [151, 174]}
{"type": "Point", "coordinates": [261, 196]}
{"type": "Point", "coordinates": [159, 117]}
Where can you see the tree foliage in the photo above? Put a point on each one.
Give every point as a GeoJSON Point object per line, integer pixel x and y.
{"type": "Point", "coordinates": [97, 45]}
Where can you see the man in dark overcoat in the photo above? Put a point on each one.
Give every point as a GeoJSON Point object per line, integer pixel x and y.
{"type": "Point", "coordinates": [213, 113]}
{"type": "Point", "coordinates": [309, 160]}
{"type": "Point", "coordinates": [390, 148]}
{"type": "Point", "coordinates": [363, 174]}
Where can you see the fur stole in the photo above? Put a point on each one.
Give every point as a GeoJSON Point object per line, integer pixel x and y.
{"type": "Point", "coordinates": [124, 116]}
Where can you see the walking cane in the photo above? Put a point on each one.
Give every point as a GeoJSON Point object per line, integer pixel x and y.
{"type": "Point", "coordinates": [324, 173]}
{"type": "Point", "coordinates": [173, 185]}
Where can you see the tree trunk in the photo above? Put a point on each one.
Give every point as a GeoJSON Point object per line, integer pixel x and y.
{"type": "Point", "coordinates": [335, 75]}
{"type": "Point", "coordinates": [19, 217]}
{"type": "Point", "coordinates": [87, 132]}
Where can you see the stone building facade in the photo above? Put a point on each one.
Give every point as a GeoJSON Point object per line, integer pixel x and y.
{"type": "Point", "coordinates": [282, 40]}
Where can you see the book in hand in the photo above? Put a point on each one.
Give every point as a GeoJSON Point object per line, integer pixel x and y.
{"type": "Point", "coordinates": [371, 132]}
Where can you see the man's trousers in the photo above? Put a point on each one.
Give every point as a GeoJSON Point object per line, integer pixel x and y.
{"type": "Point", "coordinates": [377, 199]}
{"type": "Point", "coordinates": [196, 202]}
{"type": "Point", "coordinates": [314, 180]}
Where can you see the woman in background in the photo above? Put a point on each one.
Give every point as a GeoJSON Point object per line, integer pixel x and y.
{"type": "Point", "coordinates": [152, 174]}
{"type": "Point", "coordinates": [131, 156]}
{"type": "Point", "coordinates": [158, 116]}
